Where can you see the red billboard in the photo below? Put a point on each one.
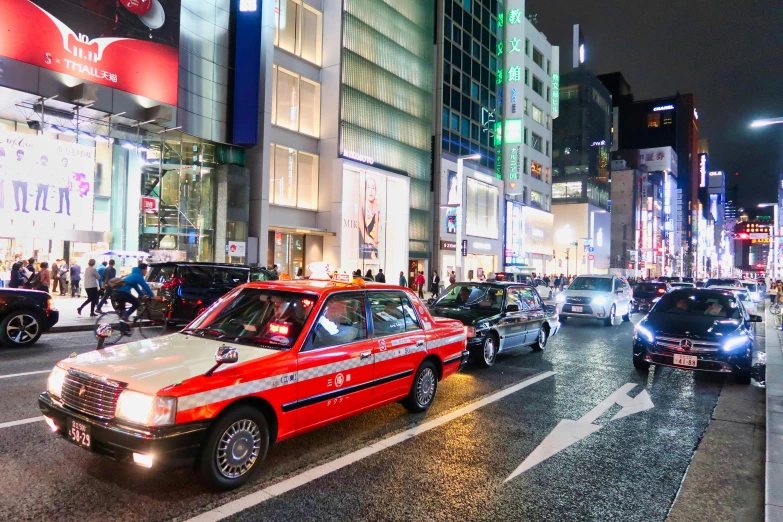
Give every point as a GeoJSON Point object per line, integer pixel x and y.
{"type": "Point", "coordinates": [131, 45]}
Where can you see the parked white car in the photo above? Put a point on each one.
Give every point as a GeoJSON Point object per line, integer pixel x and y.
{"type": "Point", "coordinates": [753, 289]}
{"type": "Point", "coordinates": [742, 294]}
{"type": "Point", "coordinates": [602, 297]}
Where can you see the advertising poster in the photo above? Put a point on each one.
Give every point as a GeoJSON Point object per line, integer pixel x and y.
{"type": "Point", "coordinates": [514, 232]}
{"type": "Point", "coordinates": [43, 181]}
{"type": "Point", "coordinates": [131, 45]}
{"type": "Point", "coordinates": [453, 194]}
{"type": "Point", "coordinates": [374, 229]}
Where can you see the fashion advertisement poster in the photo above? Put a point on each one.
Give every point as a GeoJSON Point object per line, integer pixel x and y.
{"type": "Point", "coordinates": [131, 45]}
{"type": "Point", "coordinates": [454, 194]}
{"type": "Point", "coordinates": [45, 182]}
{"type": "Point", "coordinates": [375, 221]}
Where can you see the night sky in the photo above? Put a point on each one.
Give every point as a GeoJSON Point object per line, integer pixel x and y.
{"type": "Point", "coordinates": [728, 53]}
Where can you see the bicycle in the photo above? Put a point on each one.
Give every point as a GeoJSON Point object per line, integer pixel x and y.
{"type": "Point", "coordinates": [149, 321]}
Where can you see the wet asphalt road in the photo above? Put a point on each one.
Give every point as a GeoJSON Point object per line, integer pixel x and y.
{"type": "Point", "coordinates": [630, 469]}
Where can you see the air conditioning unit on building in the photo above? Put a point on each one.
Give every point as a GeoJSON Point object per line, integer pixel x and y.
{"type": "Point", "coordinates": [618, 165]}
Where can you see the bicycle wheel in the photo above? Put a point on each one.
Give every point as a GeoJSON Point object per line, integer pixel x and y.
{"type": "Point", "coordinates": [151, 324]}
{"type": "Point", "coordinates": [117, 326]}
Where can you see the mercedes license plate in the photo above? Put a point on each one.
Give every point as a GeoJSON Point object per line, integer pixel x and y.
{"type": "Point", "coordinates": [686, 360]}
{"type": "Point", "coordinates": [577, 309]}
{"type": "Point", "coordinates": [79, 433]}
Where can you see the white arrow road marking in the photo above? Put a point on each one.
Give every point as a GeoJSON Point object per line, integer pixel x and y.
{"type": "Point", "coordinates": [568, 432]}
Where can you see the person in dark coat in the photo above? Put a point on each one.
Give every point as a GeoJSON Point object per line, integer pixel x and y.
{"type": "Point", "coordinates": [435, 285]}
{"type": "Point", "coordinates": [380, 278]}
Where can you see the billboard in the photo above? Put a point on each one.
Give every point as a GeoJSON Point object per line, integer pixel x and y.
{"type": "Point", "coordinates": [131, 45]}
{"type": "Point", "coordinates": [46, 182]}
{"type": "Point", "coordinates": [661, 159]}
{"type": "Point", "coordinates": [514, 247]}
{"type": "Point", "coordinates": [374, 224]}
{"type": "Point", "coordinates": [539, 231]}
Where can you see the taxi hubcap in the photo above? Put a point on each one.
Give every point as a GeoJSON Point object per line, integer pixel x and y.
{"type": "Point", "coordinates": [489, 350]}
{"type": "Point", "coordinates": [238, 448]}
{"type": "Point", "coordinates": [541, 337]}
{"type": "Point", "coordinates": [426, 386]}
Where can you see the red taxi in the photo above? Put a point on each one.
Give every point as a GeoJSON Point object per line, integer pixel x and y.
{"type": "Point", "coordinates": [266, 362]}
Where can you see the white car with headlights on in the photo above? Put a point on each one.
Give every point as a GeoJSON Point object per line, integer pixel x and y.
{"type": "Point", "coordinates": [602, 297]}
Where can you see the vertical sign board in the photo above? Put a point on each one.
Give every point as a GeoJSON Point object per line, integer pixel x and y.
{"type": "Point", "coordinates": [511, 76]}
{"type": "Point", "coordinates": [247, 73]}
{"type": "Point", "coordinates": [555, 81]}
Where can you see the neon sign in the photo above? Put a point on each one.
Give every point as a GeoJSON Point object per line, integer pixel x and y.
{"type": "Point", "coordinates": [663, 108]}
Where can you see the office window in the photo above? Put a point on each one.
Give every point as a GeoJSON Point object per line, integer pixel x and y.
{"type": "Point", "coordinates": [653, 120]}
{"type": "Point", "coordinates": [299, 30]}
{"type": "Point", "coordinates": [525, 169]}
{"type": "Point", "coordinates": [527, 47]}
{"type": "Point", "coordinates": [294, 178]}
{"type": "Point", "coordinates": [668, 117]}
{"type": "Point", "coordinates": [527, 76]}
{"type": "Point", "coordinates": [297, 102]}
{"type": "Point", "coordinates": [548, 121]}
{"type": "Point", "coordinates": [457, 35]}
{"type": "Point", "coordinates": [482, 209]}
{"type": "Point", "coordinates": [446, 116]}
{"type": "Point", "coordinates": [536, 170]}
{"type": "Point", "coordinates": [538, 114]}
{"type": "Point", "coordinates": [537, 142]}
{"type": "Point", "coordinates": [536, 199]}
{"type": "Point", "coordinates": [525, 136]}
{"type": "Point", "coordinates": [548, 70]}
{"type": "Point", "coordinates": [475, 90]}
{"type": "Point", "coordinates": [546, 203]}
{"type": "Point", "coordinates": [538, 86]}
{"type": "Point", "coordinates": [527, 104]}
{"type": "Point", "coordinates": [572, 189]}
{"type": "Point", "coordinates": [548, 93]}
{"type": "Point", "coordinates": [547, 149]}
{"type": "Point", "coordinates": [538, 58]}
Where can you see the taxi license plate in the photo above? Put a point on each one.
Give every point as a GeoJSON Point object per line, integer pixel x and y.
{"type": "Point", "coordinates": [577, 309]}
{"type": "Point", "coordinates": [79, 433]}
{"type": "Point", "coordinates": [686, 360]}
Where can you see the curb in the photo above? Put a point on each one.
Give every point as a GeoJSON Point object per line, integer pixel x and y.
{"type": "Point", "coordinates": [70, 329]}
{"type": "Point", "coordinates": [773, 468]}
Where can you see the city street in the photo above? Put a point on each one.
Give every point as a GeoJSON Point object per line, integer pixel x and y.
{"type": "Point", "coordinates": [625, 459]}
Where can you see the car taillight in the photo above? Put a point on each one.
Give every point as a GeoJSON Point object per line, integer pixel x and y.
{"type": "Point", "coordinates": [661, 291]}
{"type": "Point", "coordinates": [174, 282]}
{"type": "Point", "coordinates": [49, 304]}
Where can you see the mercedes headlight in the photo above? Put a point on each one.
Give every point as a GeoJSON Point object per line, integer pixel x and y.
{"type": "Point", "coordinates": [734, 343]}
{"type": "Point", "coordinates": [560, 298]}
{"type": "Point", "coordinates": [644, 333]}
{"type": "Point", "coordinates": [146, 410]}
{"type": "Point", "coordinates": [56, 379]}
{"type": "Point", "coordinates": [600, 300]}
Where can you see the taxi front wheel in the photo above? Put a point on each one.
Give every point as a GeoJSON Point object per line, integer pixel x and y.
{"type": "Point", "coordinates": [425, 384]}
{"type": "Point", "coordinates": [234, 449]}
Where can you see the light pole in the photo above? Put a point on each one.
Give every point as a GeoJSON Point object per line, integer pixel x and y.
{"type": "Point", "coordinates": [460, 167]}
{"type": "Point", "coordinates": [774, 238]}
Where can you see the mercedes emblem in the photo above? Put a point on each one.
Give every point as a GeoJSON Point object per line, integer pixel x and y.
{"type": "Point", "coordinates": [686, 344]}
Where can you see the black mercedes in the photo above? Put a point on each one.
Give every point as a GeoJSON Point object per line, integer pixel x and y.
{"type": "Point", "coordinates": [498, 316]}
{"type": "Point", "coordinates": [646, 294]}
{"type": "Point", "coordinates": [691, 329]}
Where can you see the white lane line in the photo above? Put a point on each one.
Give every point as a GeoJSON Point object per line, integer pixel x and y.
{"type": "Point", "coordinates": [23, 374]}
{"type": "Point", "coordinates": [20, 422]}
{"type": "Point", "coordinates": [253, 499]}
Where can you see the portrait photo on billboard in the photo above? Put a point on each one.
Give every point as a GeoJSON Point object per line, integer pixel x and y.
{"type": "Point", "coordinates": [130, 45]}
{"type": "Point", "coordinates": [453, 198]}
{"type": "Point", "coordinates": [46, 182]}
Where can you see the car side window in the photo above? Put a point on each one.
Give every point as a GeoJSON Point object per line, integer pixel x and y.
{"type": "Point", "coordinates": [229, 276]}
{"type": "Point", "coordinates": [196, 275]}
{"type": "Point", "coordinates": [513, 298]}
{"type": "Point", "coordinates": [388, 316]}
{"type": "Point", "coordinates": [411, 319]}
{"type": "Point", "coordinates": [528, 298]}
{"type": "Point", "coordinates": [341, 321]}
{"type": "Point", "coordinates": [618, 285]}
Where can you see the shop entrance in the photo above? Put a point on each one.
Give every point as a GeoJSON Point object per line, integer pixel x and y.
{"type": "Point", "coordinates": [414, 267]}
{"type": "Point", "coordinates": [287, 251]}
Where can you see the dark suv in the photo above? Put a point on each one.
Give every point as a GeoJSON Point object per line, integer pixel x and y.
{"type": "Point", "coordinates": [191, 288]}
{"type": "Point", "coordinates": [645, 295]}
{"type": "Point", "coordinates": [24, 316]}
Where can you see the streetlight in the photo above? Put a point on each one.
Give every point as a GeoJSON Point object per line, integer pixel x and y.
{"type": "Point", "coordinates": [460, 166]}
{"type": "Point", "coordinates": [765, 122]}
{"type": "Point", "coordinates": [774, 235]}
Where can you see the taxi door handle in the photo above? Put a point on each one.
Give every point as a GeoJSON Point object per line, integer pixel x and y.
{"type": "Point", "coordinates": [365, 355]}
{"type": "Point", "coordinates": [419, 343]}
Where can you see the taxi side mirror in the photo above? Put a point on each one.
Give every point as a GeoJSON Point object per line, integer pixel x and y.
{"type": "Point", "coordinates": [224, 355]}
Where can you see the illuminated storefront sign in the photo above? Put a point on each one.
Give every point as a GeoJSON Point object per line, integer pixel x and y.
{"type": "Point", "coordinates": [703, 170]}
{"type": "Point", "coordinates": [359, 157]}
{"type": "Point", "coordinates": [129, 45]}
{"type": "Point", "coordinates": [555, 94]}
{"type": "Point", "coordinates": [663, 108]}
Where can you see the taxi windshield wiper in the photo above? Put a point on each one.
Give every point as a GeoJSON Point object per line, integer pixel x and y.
{"type": "Point", "coordinates": [204, 332]}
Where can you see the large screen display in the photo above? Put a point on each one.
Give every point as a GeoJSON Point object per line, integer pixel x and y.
{"type": "Point", "coordinates": [375, 222]}
{"type": "Point", "coordinates": [46, 183]}
{"type": "Point", "coordinates": [131, 45]}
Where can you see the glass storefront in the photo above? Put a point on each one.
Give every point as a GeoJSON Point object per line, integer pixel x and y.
{"type": "Point", "coordinates": [287, 251]}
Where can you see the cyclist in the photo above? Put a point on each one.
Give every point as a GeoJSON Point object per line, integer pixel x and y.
{"type": "Point", "coordinates": [133, 281]}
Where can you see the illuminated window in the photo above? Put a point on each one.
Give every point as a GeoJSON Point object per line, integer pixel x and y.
{"type": "Point", "coordinates": [668, 117]}
{"type": "Point", "coordinates": [482, 209]}
{"type": "Point", "coordinates": [298, 30]}
{"type": "Point", "coordinates": [536, 170]}
{"type": "Point", "coordinates": [536, 199]}
{"type": "Point", "coordinates": [296, 102]}
{"type": "Point", "coordinates": [538, 115]}
{"type": "Point", "coordinates": [294, 178]}
{"type": "Point", "coordinates": [572, 189]}
{"type": "Point", "coordinates": [653, 120]}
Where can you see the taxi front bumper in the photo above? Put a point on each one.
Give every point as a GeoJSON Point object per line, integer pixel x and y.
{"type": "Point", "coordinates": [169, 446]}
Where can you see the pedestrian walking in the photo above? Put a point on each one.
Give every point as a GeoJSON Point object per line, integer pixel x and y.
{"type": "Point", "coordinates": [380, 278]}
{"type": "Point", "coordinates": [107, 275]}
{"type": "Point", "coordinates": [453, 278]}
{"type": "Point", "coordinates": [63, 277]}
{"type": "Point", "coordinates": [91, 279]}
{"type": "Point", "coordinates": [55, 275]}
{"type": "Point", "coordinates": [369, 274]}
{"type": "Point", "coordinates": [420, 282]}
{"type": "Point", "coordinates": [403, 281]}
{"type": "Point", "coordinates": [435, 285]}
{"type": "Point", "coordinates": [16, 276]}
{"type": "Point", "coordinates": [76, 278]}
{"type": "Point", "coordinates": [45, 277]}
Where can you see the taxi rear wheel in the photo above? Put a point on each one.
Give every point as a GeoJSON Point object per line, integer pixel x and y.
{"type": "Point", "coordinates": [234, 449]}
{"type": "Point", "coordinates": [425, 384]}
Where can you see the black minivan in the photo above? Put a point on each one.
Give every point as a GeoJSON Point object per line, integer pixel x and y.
{"type": "Point", "coordinates": [191, 288]}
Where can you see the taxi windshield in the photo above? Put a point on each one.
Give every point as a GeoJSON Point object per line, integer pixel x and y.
{"type": "Point", "coordinates": [472, 296]}
{"type": "Point", "coordinates": [257, 317]}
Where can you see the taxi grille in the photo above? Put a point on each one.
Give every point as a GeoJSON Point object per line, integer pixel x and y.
{"type": "Point", "coordinates": [674, 344]}
{"type": "Point", "coordinates": [91, 395]}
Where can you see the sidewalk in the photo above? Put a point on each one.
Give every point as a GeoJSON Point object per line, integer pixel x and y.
{"type": "Point", "coordinates": [773, 496]}
{"type": "Point", "coordinates": [70, 320]}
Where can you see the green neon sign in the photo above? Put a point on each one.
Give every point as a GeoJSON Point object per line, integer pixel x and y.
{"type": "Point", "coordinates": [515, 17]}
{"type": "Point", "coordinates": [513, 131]}
{"type": "Point", "coordinates": [555, 92]}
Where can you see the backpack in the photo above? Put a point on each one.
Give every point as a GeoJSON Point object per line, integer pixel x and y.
{"type": "Point", "coordinates": [34, 282]}
{"type": "Point", "coordinates": [115, 282]}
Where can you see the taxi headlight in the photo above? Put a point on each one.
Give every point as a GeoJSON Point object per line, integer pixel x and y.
{"type": "Point", "coordinates": [600, 300]}
{"type": "Point", "coordinates": [146, 410]}
{"type": "Point", "coordinates": [734, 343]}
{"type": "Point", "coordinates": [560, 298]}
{"type": "Point", "coordinates": [56, 379]}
